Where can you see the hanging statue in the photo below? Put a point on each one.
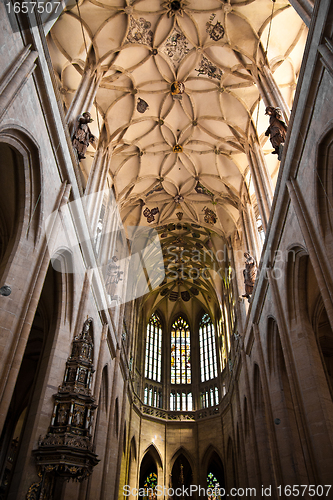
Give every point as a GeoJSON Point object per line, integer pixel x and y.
{"type": "Point", "coordinates": [277, 129]}
{"type": "Point", "coordinates": [82, 135]}
{"type": "Point", "coordinates": [250, 274]}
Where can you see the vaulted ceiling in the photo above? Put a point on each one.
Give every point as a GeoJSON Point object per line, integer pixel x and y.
{"type": "Point", "coordinates": [178, 98]}
{"type": "Point", "coordinates": [182, 153]}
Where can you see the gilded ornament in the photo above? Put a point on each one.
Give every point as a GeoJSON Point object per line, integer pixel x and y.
{"type": "Point", "coordinates": [178, 148]}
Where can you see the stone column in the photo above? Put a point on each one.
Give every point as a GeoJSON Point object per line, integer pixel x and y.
{"type": "Point", "coordinates": [97, 182]}
{"type": "Point", "coordinates": [269, 90]}
{"type": "Point", "coordinates": [273, 92]}
{"type": "Point", "coordinates": [261, 183]}
{"type": "Point", "coordinates": [86, 92]}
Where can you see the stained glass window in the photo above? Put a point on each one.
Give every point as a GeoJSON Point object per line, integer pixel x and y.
{"type": "Point", "coordinates": [150, 486]}
{"type": "Point", "coordinates": [181, 401]}
{"type": "Point", "coordinates": [152, 396]}
{"type": "Point", "coordinates": [208, 362]}
{"type": "Point", "coordinates": [209, 397]}
{"type": "Point", "coordinates": [154, 349]}
{"type": "Point", "coordinates": [180, 352]}
{"type": "Point", "coordinates": [213, 486]}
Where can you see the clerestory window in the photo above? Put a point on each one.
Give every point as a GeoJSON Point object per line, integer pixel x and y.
{"type": "Point", "coordinates": [208, 359]}
{"type": "Point", "coordinates": [180, 352]}
{"type": "Point", "coordinates": [154, 349]}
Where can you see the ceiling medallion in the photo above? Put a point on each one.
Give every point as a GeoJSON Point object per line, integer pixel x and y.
{"type": "Point", "coordinates": [142, 105]}
{"type": "Point", "coordinates": [177, 89]}
{"type": "Point", "coordinates": [210, 216]}
{"type": "Point", "coordinates": [149, 214]}
{"type": "Point", "coordinates": [175, 7]}
{"type": "Point", "coordinates": [207, 68]}
{"type": "Point", "coordinates": [176, 47]}
{"type": "Point", "coordinates": [179, 215]}
{"type": "Point", "coordinates": [215, 31]}
{"type": "Point", "coordinates": [178, 148]}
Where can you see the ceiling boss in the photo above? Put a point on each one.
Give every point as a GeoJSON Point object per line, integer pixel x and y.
{"type": "Point", "coordinates": [175, 7]}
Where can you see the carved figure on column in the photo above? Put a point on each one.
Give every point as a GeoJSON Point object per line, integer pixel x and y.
{"type": "Point", "coordinates": [250, 274]}
{"type": "Point", "coordinates": [113, 276]}
{"type": "Point", "coordinates": [277, 129]}
{"type": "Point", "coordinates": [82, 135]}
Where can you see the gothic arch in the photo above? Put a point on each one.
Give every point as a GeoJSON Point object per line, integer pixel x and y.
{"type": "Point", "coordinates": [20, 149]}
{"type": "Point", "coordinates": [177, 315]}
{"type": "Point", "coordinates": [63, 262]}
{"type": "Point", "coordinates": [231, 480]}
{"type": "Point", "coordinates": [182, 471]}
{"type": "Point", "coordinates": [271, 333]}
{"type": "Point", "coordinates": [159, 314]}
{"type": "Point", "coordinates": [150, 462]}
{"type": "Point", "coordinates": [260, 422]}
{"type": "Point", "coordinates": [152, 450]}
{"type": "Point", "coordinates": [210, 450]}
{"type": "Point", "coordinates": [212, 460]}
{"type": "Point", "coordinates": [324, 182]}
{"type": "Point", "coordinates": [295, 266]}
{"type": "Point", "coordinates": [132, 462]}
{"type": "Point", "coordinates": [182, 451]}
{"type": "Point", "coordinates": [324, 337]}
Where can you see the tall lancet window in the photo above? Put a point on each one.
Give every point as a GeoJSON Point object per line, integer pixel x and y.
{"type": "Point", "coordinates": [154, 349]}
{"type": "Point", "coordinates": [180, 352]}
{"type": "Point", "coordinates": [208, 362]}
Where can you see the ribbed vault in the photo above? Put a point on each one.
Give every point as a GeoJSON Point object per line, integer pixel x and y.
{"type": "Point", "coordinates": [177, 87]}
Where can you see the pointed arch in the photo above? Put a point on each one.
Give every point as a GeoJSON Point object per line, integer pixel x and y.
{"type": "Point", "coordinates": [182, 451]}
{"type": "Point", "coordinates": [63, 262]}
{"type": "Point", "coordinates": [207, 346]}
{"type": "Point", "coordinates": [324, 183]}
{"type": "Point", "coordinates": [231, 469]}
{"type": "Point", "coordinates": [153, 352]}
{"type": "Point", "coordinates": [180, 351]}
{"type": "Point", "coordinates": [152, 450]}
{"type": "Point", "coordinates": [182, 470]}
{"type": "Point", "coordinates": [19, 147]}
{"type": "Point", "coordinates": [151, 468]}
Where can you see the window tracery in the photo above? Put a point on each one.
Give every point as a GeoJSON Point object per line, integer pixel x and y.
{"type": "Point", "coordinates": [208, 361]}
{"type": "Point", "coordinates": [181, 401]}
{"type": "Point", "coordinates": [153, 356]}
{"type": "Point", "coordinates": [180, 352]}
{"type": "Point", "coordinates": [209, 397]}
